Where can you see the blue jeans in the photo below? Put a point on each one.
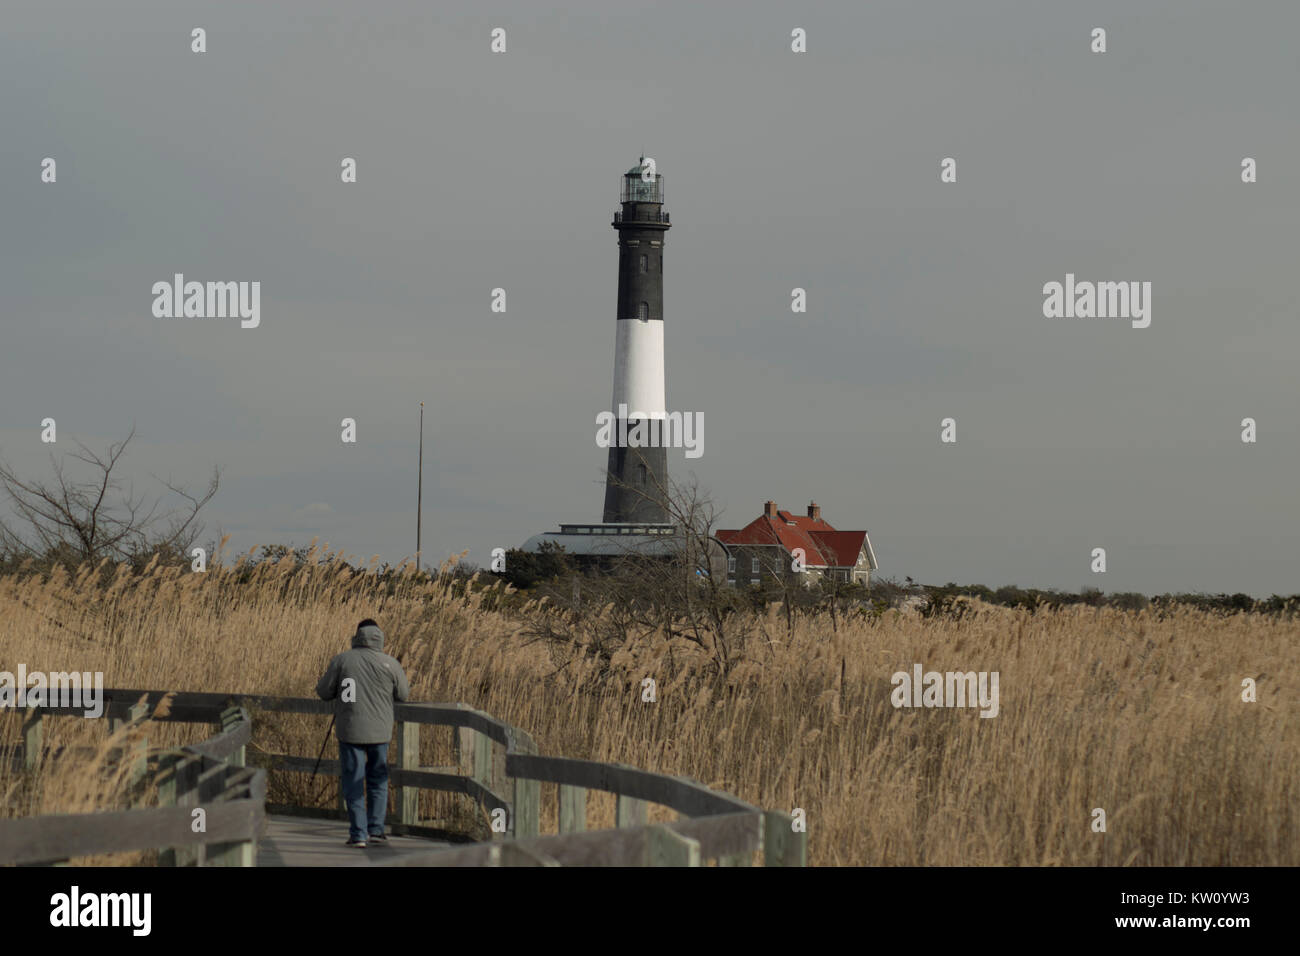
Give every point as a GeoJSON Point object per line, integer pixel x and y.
{"type": "Point", "coordinates": [365, 766]}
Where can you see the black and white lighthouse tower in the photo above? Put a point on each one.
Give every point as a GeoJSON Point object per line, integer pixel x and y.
{"type": "Point", "coordinates": [636, 519]}
{"type": "Point", "coordinates": [637, 476]}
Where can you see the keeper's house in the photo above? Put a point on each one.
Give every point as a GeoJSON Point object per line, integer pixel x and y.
{"type": "Point", "coordinates": [768, 546]}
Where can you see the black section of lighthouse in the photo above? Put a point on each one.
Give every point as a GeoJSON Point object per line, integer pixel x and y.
{"type": "Point", "coordinates": [637, 477]}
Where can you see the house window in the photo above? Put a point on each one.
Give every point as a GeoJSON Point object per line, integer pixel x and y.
{"type": "Point", "coordinates": [640, 475]}
{"type": "Point", "coordinates": [753, 566]}
{"type": "Point", "coordinates": [643, 312]}
{"type": "Point", "coordinates": [645, 264]}
{"type": "Point", "coordinates": [731, 564]}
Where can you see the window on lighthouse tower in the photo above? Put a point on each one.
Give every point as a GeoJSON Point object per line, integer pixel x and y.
{"type": "Point", "coordinates": [643, 312]}
{"type": "Point", "coordinates": [645, 265]}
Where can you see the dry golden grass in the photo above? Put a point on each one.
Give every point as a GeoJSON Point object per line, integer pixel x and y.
{"type": "Point", "coordinates": [1138, 715]}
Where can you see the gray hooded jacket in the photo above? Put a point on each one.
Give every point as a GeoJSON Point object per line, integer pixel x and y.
{"type": "Point", "coordinates": [364, 715]}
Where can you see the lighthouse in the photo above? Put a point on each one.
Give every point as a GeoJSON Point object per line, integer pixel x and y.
{"type": "Point", "coordinates": [636, 519]}
{"type": "Point", "coordinates": [637, 476]}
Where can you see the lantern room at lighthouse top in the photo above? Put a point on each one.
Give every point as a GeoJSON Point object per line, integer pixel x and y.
{"type": "Point", "coordinates": [642, 185]}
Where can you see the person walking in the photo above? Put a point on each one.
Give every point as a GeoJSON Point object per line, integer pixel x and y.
{"type": "Point", "coordinates": [364, 682]}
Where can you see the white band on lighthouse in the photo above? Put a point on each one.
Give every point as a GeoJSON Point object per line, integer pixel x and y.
{"type": "Point", "coordinates": [639, 368]}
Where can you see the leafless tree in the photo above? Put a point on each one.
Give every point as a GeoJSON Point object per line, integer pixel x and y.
{"type": "Point", "coordinates": [674, 584]}
{"type": "Point", "coordinates": [101, 516]}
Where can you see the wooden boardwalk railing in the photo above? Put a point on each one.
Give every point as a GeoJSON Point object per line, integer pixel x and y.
{"type": "Point", "coordinates": [498, 767]}
{"type": "Point", "coordinates": [209, 776]}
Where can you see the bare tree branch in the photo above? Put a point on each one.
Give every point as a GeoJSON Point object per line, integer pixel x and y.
{"type": "Point", "coordinates": [75, 521]}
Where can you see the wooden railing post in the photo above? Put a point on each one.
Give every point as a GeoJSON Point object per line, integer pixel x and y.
{"type": "Point", "coordinates": [408, 758]}
{"type": "Point", "coordinates": [138, 756]}
{"type": "Point", "coordinates": [629, 812]}
{"type": "Point", "coordinates": [736, 859]}
{"type": "Point", "coordinates": [242, 853]}
{"type": "Point", "coordinates": [665, 847]}
{"type": "Point", "coordinates": [167, 794]}
{"type": "Point", "coordinates": [573, 809]}
{"type": "Point", "coordinates": [498, 782]}
{"type": "Point", "coordinates": [482, 770]}
{"type": "Point", "coordinates": [782, 846]}
{"type": "Point", "coordinates": [185, 770]}
{"type": "Point", "coordinates": [528, 807]}
{"type": "Point", "coordinates": [33, 737]}
{"type": "Point", "coordinates": [213, 781]}
{"type": "Point", "coordinates": [527, 792]}
{"type": "Point", "coordinates": [462, 750]}
{"type": "Point", "coordinates": [230, 718]}
{"type": "Point", "coordinates": [482, 766]}
{"type": "Point", "coordinates": [514, 854]}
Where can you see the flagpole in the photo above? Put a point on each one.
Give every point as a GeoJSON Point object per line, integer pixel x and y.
{"type": "Point", "coordinates": [419, 500]}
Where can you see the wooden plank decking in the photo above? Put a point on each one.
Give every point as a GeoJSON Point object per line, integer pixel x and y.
{"type": "Point", "coordinates": [304, 841]}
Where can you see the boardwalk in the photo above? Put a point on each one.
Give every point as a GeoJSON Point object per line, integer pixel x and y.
{"type": "Point", "coordinates": [303, 841]}
{"type": "Point", "coordinates": [496, 769]}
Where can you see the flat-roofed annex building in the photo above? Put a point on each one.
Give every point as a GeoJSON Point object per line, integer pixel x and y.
{"type": "Point", "coordinates": [608, 540]}
{"type": "Point", "coordinates": [766, 548]}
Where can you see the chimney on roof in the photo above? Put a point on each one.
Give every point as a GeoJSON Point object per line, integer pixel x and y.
{"type": "Point", "coordinates": [769, 509]}
{"type": "Point", "coordinates": [814, 511]}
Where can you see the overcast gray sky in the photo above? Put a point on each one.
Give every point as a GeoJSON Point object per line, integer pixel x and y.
{"type": "Point", "coordinates": [818, 170]}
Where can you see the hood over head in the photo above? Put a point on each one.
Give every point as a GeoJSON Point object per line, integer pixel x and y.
{"type": "Point", "coordinates": [369, 636]}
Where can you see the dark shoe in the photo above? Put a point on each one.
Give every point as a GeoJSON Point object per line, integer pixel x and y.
{"type": "Point", "coordinates": [378, 838]}
{"type": "Point", "coordinates": [359, 844]}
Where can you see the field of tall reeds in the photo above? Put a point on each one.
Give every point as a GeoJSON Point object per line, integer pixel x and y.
{"type": "Point", "coordinates": [1137, 713]}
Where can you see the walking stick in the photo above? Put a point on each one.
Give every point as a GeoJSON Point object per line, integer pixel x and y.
{"type": "Point", "coordinates": [320, 756]}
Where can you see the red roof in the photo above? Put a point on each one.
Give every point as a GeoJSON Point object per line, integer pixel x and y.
{"type": "Point", "coordinates": [822, 545]}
